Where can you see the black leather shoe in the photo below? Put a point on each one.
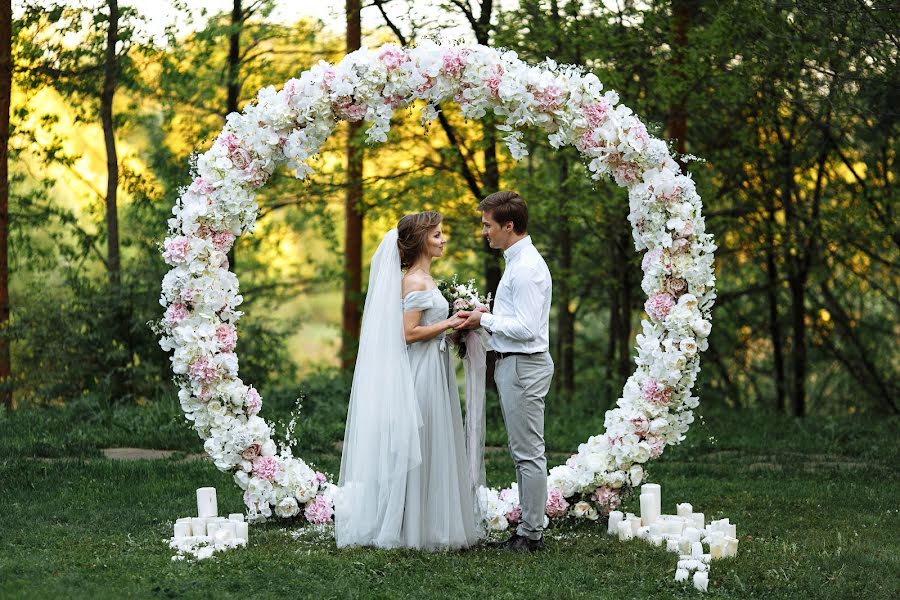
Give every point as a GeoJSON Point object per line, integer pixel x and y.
{"type": "Point", "coordinates": [507, 543]}
{"type": "Point", "coordinates": [524, 544]}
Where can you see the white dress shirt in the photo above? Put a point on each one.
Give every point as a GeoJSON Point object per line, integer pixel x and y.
{"type": "Point", "coordinates": [521, 318]}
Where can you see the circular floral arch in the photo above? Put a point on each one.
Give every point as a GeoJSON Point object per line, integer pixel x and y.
{"type": "Point", "coordinates": [290, 125]}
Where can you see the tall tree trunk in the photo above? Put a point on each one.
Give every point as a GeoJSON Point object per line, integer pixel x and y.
{"type": "Point", "coordinates": [798, 354]}
{"type": "Point", "coordinates": [234, 80]}
{"type": "Point", "coordinates": [353, 228]}
{"type": "Point", "coordinates": [6, 393]}
{"type": "Point", "coordinates": [676, 124]}
{"type": "Point", "coordinates": [110, 75]}
{"type": "Point", "coordinates": [565, 335]}
{"type": "Point", "coordinates": [772, 298]}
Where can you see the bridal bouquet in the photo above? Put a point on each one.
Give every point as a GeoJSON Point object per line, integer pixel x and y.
{"type": "Point", "coordinates": [462, 296]}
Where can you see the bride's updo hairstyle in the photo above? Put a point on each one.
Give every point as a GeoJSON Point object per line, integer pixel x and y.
{"type": "Point", "coordinates": [412, 231]}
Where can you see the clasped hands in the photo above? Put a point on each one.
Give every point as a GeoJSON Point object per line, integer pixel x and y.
{"type": "Point", "coordinates": [472, 319]}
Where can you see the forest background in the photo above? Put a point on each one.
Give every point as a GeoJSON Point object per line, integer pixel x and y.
{"type": "Point", "coordinates": [791, 106]}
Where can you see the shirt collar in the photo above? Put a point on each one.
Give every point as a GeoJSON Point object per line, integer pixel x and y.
{"type": "Point", "coordinates": [516, 249]}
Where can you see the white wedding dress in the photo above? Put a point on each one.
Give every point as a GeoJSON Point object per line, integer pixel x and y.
{"type": "Point", "coordinates": [440, 496]}
{"type": "Point", "coordinates": [404, 478]}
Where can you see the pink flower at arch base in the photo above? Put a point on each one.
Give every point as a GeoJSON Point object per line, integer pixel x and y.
{"type": "Point", "coordinates": [319, 511]}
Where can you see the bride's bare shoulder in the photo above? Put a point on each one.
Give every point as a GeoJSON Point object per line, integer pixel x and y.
{"type": "Point", "coordinates": [414, 282]}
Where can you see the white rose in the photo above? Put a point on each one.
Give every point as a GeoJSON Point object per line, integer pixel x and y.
{"type": "Point", "coordinates": [584, 510]}
{"type": "Point", "coordinates": [287, 508]}
{"type": "Point", "coordinates": [616, 479]}
{"type": "Point", "coordinates": [636, 474]}
{"type": "Point", "coordinates": [498, 522]}
{"type": "Point", "coordinates": [688, 346]}
{"type": "Point", "coordinates": [701, 327]}
{"type": "Point", "coordinates": [268, 448]}
{"type": "Point", "coordinates": [242, 479]}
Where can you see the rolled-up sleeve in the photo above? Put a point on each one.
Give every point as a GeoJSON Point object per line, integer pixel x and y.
{"type": "Point", "coordinates": [528, 290]}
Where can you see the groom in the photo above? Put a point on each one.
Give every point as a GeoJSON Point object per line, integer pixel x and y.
{"type": "Point", "coordinates": [519, 328]}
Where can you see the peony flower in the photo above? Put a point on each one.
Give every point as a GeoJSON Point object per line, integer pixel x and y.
{"type": "Point", "coordinates": [265, 467]}
{"type": "Point", "coordinates": [659, 305]}
{"type": "Point", "coordinates": [319, 511]}
{"type": "Point", "coordinates": [454, 62]}
{"type": "Point", "coordinates": [514, 515]}
{"type": "Point", "coordinates": [556, 504]}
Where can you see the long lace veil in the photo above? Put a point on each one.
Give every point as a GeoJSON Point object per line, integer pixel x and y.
{"type": "Point", "coordinates": [381, 441]}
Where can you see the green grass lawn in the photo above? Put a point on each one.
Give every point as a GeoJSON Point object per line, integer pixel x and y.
{"type": "Point", "coordinates": [815, 502]}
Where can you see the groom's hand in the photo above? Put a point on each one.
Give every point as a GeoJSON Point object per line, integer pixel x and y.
{"type": "Point", "coordinates": [472, 319]}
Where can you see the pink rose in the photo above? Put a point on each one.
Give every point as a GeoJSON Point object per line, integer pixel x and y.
{"type": "Point", "coordinates": [460, 303]}
{"type": "Point", "coordinates": [659, 305]}
{"type": "Point", "coordinates": [651, 259]}
{"type": "Point", "coordinates": [319, 511]}
{"type": "Point", "coordinates": [556, 503]}
{"type": "Point", "coordinates": [514, 515]}
{"type": "Point", "coordinates": [176, 313]}
{"type": "Point", "coordinates": [176, 249]}
{"type": "Point", "coordinates": [226, 335]}
{"type": "Point", "coordinates": [253, 402]}
{"type": "Point", "coordinates": [240, 158]}
{"type": "Point", "coordinates": [654, 392]}
{"type": "Point", "coordinates": [202, 370]}
{"type": "Point", "coordinates": [320, 477]}
{"type": "Point", "coordinates": [256, 176]}
{"type": "Point", "coordinates": [265, 467]}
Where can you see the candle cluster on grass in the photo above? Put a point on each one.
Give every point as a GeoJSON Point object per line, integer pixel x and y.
{"type": "Point", "coordinates": [207, 533]}
{"type": "Point", "coordinates": [684, 533]}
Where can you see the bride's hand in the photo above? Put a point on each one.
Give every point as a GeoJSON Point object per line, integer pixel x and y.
{"type": "Point", "coordinates": [455, 321]}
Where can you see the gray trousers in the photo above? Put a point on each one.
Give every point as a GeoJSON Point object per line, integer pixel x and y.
{"type": "Point", "coordinates": [523, 383]}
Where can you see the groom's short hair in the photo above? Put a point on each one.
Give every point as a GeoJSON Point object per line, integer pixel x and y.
{"type": "Point", "coordinates": [505, 207]}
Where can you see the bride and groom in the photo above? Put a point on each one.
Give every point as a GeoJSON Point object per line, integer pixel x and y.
{"type": "Point", "coordinates": [404, 480]}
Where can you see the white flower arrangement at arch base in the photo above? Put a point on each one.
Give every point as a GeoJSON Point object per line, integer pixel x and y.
{"type": "Point", "coordinates": [290, 125]}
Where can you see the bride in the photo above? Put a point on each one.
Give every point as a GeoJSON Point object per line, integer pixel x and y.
{"type": "Point", "coordinates": [404, 478]}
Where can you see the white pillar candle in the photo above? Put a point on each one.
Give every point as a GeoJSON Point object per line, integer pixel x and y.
{"type": "Point", "coordinates": [674, 526]}
{"type": "Point", "coordinates": [650, 509]}
{"type": "Point", "coordinates": [625, 531]}
{"type": "Point", "coordinates": [672, 545]}
{"type": "Point", "coordinates": [731, 546]}
{"type": "Point", "coordinates": [212, 528]}
{"type": "Point", "coordinates": [656, 540]}
{"type": "Point", "coordinates": [652, 488]}
{"type": "Point", "coordinates": [684, 545]}
{"type": "Point", "coordinates": [635, 522]}
{"type": "Point", "coordinates": [684, 509]}
{"type": "Point", "coordinates": [699, 522]}
{"type": "Point", "coordinates": [701, 580]}
{"type": "Point", "coordinates": [681, 574]}
{"type": "Point", "coordinates": [696, 550]}
{"type": "Point", "coordinates": [731, 531]}
{"type": "Point", "coordinates": [692, 534]}
{"type": "Point", "coordinates": [206, 502]}
{"type": "Point", "coordinates": [236, 517]}
{"type": "Point", "coordinates": [182, 530]}
{"type": "Point", "coordinates": [716, 549]}
{"type": "Point", "coordinates": [615, 517]}
{"type": "Point", "coordinates": [657, 528]}
{"type": "Point", "coordinates": [198, 525]}
{"type": "Point", "coordinates": [229, 526]}
{"type": "Point", "coordinates": [242, 530]}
